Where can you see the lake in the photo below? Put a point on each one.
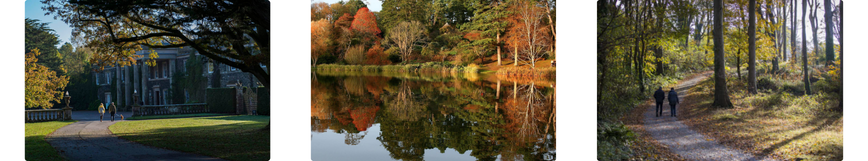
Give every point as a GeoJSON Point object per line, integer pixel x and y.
{"type": "Point", "coordinates": [412, 117]}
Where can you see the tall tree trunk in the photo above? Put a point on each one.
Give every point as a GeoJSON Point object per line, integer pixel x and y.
{"type": "Point", "coordinates": [552, 25]}
{"type": "Point", "coordinates": [841, 54]}
{"type": "Point", "coordinates": [751, 62]}
{"type": "Point", "coordinates": [515, 62]}
{"type": "Point", "coordinates": [498, 49]}
{"type": "Point", "coordinates": [658, 55]}
{"type": "Point", "coordinates": [738, 64]}
{"type": "Point", "coordinates": [793, 30]}
{"type": "Point", "coordinates": [830, 45]}
{"type": "Point", "coordinates": [784, 32]}
{"type": "Point", "coordinates": [805, 69]}
{"type": "Point", "coordinates": [721, 95]}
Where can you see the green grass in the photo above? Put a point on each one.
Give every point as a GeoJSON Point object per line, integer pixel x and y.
{"type": "Point", "coordinates": [227, 137]}
{"type": "Point", "coordinates": [173, 116]}
{"type": "Point", "coordinates": [36, 148]}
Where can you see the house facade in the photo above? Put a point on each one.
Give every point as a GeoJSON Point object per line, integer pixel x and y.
{"type": "Point", "coordinates": [154, 83]}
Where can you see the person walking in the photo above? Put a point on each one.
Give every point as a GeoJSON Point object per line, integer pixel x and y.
{"type": "Point", "coordinates": [112, 109]}
{"type": "Point", "coordinates": [659, 96]}
{"type": "Point", "coordinates": [673, 101]}
{"type": "Point", "coordinates": [101, 110]}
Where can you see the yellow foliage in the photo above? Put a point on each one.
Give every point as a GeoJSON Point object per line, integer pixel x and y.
{"type": "Point", "coordinates": [41, 84]}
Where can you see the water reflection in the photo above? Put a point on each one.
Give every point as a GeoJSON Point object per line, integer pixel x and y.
{"type": "Point", "coordinates": [487, 119]}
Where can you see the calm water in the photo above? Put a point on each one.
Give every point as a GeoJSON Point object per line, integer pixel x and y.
{"type": "Point", "coordinates": [431, 118]}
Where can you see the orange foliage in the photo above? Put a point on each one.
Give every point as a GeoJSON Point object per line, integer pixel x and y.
{"type": "Point", "coordinates": [363, 117]}
{"type": "Point", "coordinates": [375, 56]}
{"type": "Point", "coordinates": [365, 25]}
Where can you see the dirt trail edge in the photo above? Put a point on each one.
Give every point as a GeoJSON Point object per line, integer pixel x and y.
{"type": "Point", "coordinates": [680, 139]}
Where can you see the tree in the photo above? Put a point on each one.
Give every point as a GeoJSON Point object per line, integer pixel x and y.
{"type": "Point", "coordinates": [396, 12]}
{"type": "Point", "coordinates": [751, 68]}
{"type": "Point", "coordinates": [41, 85]}
{"type": "Point", "coordinates": [405, 36]}
{"type": "Point", "coordinates": [364, 27]}
{"type": "Point", "coordinates": [527, 32]}
{"type": "Point", "coordinates": [805, 69]}
{"type": "Point", "coordinates": [342, 35]}
{"type": "Point", "coordinates": [488, 16]}
{"type": "Point", "coordinates": [320, 10]}
{"type": "Point", "coordinates": [235, 33]}
{"type": "Point", "coordinates": [830, 48]}
{"type": "Point", "coordinates": [37, 35]}
{"type": "Point", "coordinates": [319, 38]}
{"type": "Point", "coordinates": [721, 95]}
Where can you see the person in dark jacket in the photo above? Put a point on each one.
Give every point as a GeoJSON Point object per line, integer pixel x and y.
{"type": "Point", "coordinates": [659, 96]}
{"type": "Point", "coordinates": [673, 100]}
{"type": "Point", "coordinates": [112, 109]}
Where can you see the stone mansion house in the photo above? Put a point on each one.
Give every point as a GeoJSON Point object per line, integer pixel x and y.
{"type": "Point", "coordinates": [153, 83]}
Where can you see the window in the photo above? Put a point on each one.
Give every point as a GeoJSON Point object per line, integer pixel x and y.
{"type": "Point", "coordinates": [108, 98]}
{"type": "Point", "coordinates": [233, 68]}
{"type": "Point", "coordinates": [183, 66]}
{"type": "Point", "coordinates": [97, 78]}
{"type": "Point", "coordinates": [165, 93]}
{"type": "Point", "coordinates": [210, 67]}
{"type": "Point", "coordinates": [165, 70]}
{"type": "Point", "coordinates": [108, 77]}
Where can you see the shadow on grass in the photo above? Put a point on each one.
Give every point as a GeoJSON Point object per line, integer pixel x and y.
{"type": "Point", "coordinates": [235, 141]}
{"type": "Point", "coordinates": [36, 148]}
{"type": "Point", "coordinates": [818, 123]}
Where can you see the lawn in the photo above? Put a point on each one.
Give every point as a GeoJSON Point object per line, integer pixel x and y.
{"type": "Point", "coordinates": [227, 137]}
{"type": "Point", "coordinates": [36, 148]}
{"type": "Point", "coordinates": [173, 116]}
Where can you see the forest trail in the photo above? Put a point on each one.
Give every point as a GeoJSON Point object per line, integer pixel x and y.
{"type": "Point", "coordinates": [680, 139]}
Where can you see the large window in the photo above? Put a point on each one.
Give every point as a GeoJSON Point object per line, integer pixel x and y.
{"type": "Point", "coordinates": [108, 77]}
{"type": "Point", "coordinates": [165, 70]}
{"type": "Point", "coordinates": [210, 67]}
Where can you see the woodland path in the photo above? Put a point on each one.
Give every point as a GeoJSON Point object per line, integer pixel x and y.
{"type": "Point", "coordinates": [90, 139]}
{"type": "Point", "coordinates": [680, 139]}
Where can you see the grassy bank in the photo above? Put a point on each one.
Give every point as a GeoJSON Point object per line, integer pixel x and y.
{"type": "Point", "coordinates": [430, 67]}
{"type": "Point", "coordinates": [780, 121]}
{"type": "Point", "coordinates": [36, 148]}
{"type": "Point", "coordinates": [545, 72]}
{"type": "Point", "coordinates": [227, 137]}
{"type": "Point", "coordinates": [173, 116]}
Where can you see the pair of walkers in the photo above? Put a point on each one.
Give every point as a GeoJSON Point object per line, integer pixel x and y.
{"type": "Point", "coordinates": [659, 96]}
{"type": "Point", "coordinates": [112, 109]}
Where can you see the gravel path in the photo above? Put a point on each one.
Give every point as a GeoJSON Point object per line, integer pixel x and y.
{"type": "Point", "coordinates": [680, 139]}
{"type": "Point", "coordinates": [89, 139]}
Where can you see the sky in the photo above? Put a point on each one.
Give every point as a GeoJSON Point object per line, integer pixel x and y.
{"type": "Point", "coordinates": [373, 5]}
{"type": "Point", "coordinates": [33, 10]}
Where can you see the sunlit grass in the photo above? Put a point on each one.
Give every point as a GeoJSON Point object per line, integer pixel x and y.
{"type": "Point", "coordinates": [773, 122]}
{"type": "Point", "coordinates": [173, 116]}
{"type": "Point", "coordinates": [227, 137]}
{"type": "Point", "coordinates": [36, 148]}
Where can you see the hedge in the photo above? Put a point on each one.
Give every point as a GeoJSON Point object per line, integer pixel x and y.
{"type": "Point", "coordinates": [221, 100]}
{"type": "Point", "coordinates": [263, 103]}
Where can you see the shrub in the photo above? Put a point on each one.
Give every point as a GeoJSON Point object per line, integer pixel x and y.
{"type": "Point", "coordinates": [375, 56]}
{"type": "Point", "coordinates": [326, 59]}
{"type": "Point", "coordinates": [355, 55]}
{"type": "Point", "coordinates": [393, 55]}
{"type": "Point", "coordinates": [221, 100]}
{"type": "Point", "coordinates": [263, 103]}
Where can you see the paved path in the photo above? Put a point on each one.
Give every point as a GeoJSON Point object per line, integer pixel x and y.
{"type": "Point", "coordinates": [680, 139]}
{"type": "Point", "coordinates": [89, 139]}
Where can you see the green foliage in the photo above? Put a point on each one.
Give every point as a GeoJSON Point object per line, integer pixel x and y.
{"type": "Point", "coordinates": [613, 141]}
{"type": "Point", "coordinates": [263, 103]}
{"type": "Point", "coordinates": [37, 35]}
{"type": "Point", "coordinates": [82, 88]}
{"type": "Point", "coordinates": [221, 100]}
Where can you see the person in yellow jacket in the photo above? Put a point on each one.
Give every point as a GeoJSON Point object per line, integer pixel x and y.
{"type": "Point", "coordinates": [101, 110]}
{"type": "Point", "coordinates": [112, 109]}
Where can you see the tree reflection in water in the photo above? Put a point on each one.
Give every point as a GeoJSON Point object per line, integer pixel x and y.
{"type": "Point", "coordinates": [416, 115]}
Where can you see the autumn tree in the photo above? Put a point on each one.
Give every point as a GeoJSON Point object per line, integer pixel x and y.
{"type": "Point", "coordinates": [721, 95]}
{"type": "Point", "coordinates": [342, 34]}
{"type": "Point", "coordinates": [320, 10]}
{"type": "Point", "coordinates": [527, 34]}
{"type": "Point", "coordinates": [405, 35]}
{"type": "Point", "coordinates": [365, 28]}
{"type": "Point", "coordinates": [319, 38]}
{"type": "Point", "coordinates": [41, 85]}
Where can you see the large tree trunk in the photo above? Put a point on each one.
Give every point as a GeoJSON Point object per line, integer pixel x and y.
{"type": "Point", "coordinates": [751, 62]}
{"type": "Point", "coordinates": [830, 45]}
{"type": "Point", "coordinates": [793, 30]}
{"type": "Point", "coordinates": [841, 54]}
{"type": "Point", "coordinates": [721, 95]}
{"type": "Point", "coordinates": [498, 49]}
{"type": "Point", "coordinates": [784, 32]}
{"type": "Point", "coordinates": [805, 69]}
{"type": "Point", "coordinates": [738, 64]}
